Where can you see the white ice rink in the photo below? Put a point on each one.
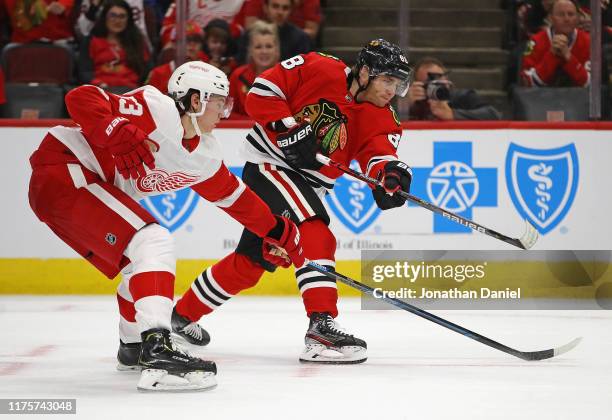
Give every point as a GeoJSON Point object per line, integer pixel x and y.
{"type": "Point", "coordinates": [64, 347]}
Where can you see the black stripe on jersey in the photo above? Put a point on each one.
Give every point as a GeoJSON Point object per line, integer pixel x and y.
{"type": "Point", "coordinates": [315, 280]}
{"type": "Point", "coordinates": [206, 295]}
{"type": "Point", "coordinates": [212, 289]}
{"type": "Point", "coordinates": [307, 269]}
{"type": "Point", "coordinates": [312, 179]}
{"type": "Point", "coordinates": [263, 87]}
{"type": "Point", "coordinates": [256, 144]}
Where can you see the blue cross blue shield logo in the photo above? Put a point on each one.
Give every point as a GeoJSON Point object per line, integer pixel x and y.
{"type": "Point", "coordinates": [171, 209]}
{"type": "Point", "coordinates": [455, 184]}
{"type": "Point", "coordinates": [352, 202]}
{"type": "Point", "coordinates": [542, 183]}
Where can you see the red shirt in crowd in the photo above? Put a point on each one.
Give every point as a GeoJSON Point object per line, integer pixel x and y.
{"type": "Point", "coordinates": [110, 66]}
{"type": "Point", "coordinates": [541, 67]}
{"type": "Point", "coordinates": [241, 81]}
{"type": "Point", "coordinates": [37, 22]}
{"type": "Point", "coordinates": [306, 10]}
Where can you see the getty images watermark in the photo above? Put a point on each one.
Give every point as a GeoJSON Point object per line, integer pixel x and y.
{"type": "Point", "coordinates": [489, 279]}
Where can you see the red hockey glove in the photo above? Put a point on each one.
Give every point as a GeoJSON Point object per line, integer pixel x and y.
{"type": "Point", "coordinates": [127, 145]}
{"type": "Point", "coordinates": [282, 246]}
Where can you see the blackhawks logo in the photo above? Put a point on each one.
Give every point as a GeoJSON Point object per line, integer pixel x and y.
{"type": "Point", "coordinates": [329, 124]}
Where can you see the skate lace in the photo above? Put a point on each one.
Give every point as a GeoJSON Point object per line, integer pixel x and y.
{"type": "Point", "coordinates": [194, 330]}
{"type": "Point", "coordinates": [178, 349]}
{"type": "Point", "coordinates": [333, 327]}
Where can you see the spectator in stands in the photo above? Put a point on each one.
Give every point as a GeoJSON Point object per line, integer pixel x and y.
{"type": "Point", "coordinates": [91, 9]}
{"type": "Point", "coordinates": [432, 97]}
{"type": "Point", "coordinates": [263, 53]}
{"type": "Point", "coordinates": [202, 12]}
{"type": "Point", "coordinates": [293, 40]}
{"type": "Point", "coordinates": [306, 14]}
{"type": "Point", "coordinates": [39, 20]}
{"type": "Point", "coordinates": [560, 54]}
{"type": "Point", "coordinates": [160, 75]}
{"type": "Point", "coordinates": [114, 55]}
{"type": "Point", "coordinates": [584, 18]}
{"type": "Point", "coordinates": [219, 46]}
{"type": "Point", "coordinates": [532, 17]}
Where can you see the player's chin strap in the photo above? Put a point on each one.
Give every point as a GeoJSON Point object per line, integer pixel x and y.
{"type": "Point", "coordinates": [194, 118]}
{"type": "Point", "coordinates": [360, 88]}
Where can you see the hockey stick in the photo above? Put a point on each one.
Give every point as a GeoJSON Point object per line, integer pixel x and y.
{"type": "Point", "coordinates": [526, 241]}
{"type": "Point", "coordinates": [525, 355]}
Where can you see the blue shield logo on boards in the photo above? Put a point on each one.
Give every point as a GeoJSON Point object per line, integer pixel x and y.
{"type": "Point", "coordinates": [455, 184]}
{"type": "Point", "coordinates": [171, 209]}
{"type": "Point", "coordinates": [542, 183]}
{"type": "Point", "coordinates": [352, 202]}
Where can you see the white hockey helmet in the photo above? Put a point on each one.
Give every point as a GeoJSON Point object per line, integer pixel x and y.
{"type": "Point", "coordinates": [205, 79]}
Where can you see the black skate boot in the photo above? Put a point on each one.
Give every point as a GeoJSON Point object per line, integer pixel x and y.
{"type": "Point", "coordinates": [127, 356]}
{"type": "Point", "coordinates": [326, 342]}
{"type": "Point", "coordinates": [165, 367]}
{"type": "Point", "coordinates": [189, 331]}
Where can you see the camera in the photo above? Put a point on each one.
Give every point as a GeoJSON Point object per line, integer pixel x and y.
{"type": "Point", "coordinates": [437, 88]}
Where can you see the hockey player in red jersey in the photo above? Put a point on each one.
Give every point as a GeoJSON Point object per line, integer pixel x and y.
{"type": "Point", "coordinates": [86, 182]}
{"type": "Point", "coordinates": [305, 105]}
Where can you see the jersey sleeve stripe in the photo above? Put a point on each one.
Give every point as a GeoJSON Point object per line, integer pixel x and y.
{"type": "Point", "coordinates": [231, 199]}
{"type": "Point", "coordinates": [373, 161]}
{"type": "Point", "coordinates": [262, 92]}
{"type": "Point", "coordinates": [260, 141]}
{"type": "Point", "coordinates": [270, 85]}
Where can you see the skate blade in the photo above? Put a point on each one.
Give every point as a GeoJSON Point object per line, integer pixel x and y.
{"type": "Point", "coordinates": [156, 380]}
{"type": "Point", "coordinates": [348, 355]}
{"type": "Point", "coordinates": [128, 368]}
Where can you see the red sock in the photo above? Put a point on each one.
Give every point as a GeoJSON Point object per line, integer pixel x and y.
{"type": "Point", "coordinates": [217, 285]}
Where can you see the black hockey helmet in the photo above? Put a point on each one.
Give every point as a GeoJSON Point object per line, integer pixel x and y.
{"type": "Point", "coordinates": [384, 57]}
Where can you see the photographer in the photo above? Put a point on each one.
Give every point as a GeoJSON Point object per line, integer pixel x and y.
{"type": "Point", "coordinates": [431, 96]}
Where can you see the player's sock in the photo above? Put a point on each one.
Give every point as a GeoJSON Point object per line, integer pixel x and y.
{"type": "Point", "coordinates": [217, 285]}
{"type": "Point", "coordinates": [168, 368]}
{"type": "Point", "coordinates": [327, 342]}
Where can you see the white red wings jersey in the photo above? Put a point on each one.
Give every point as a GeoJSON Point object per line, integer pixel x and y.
{"type": "Point", "coordinates": [314, 86]}
{"type": "Point", "coordinates": [154, 113]}
{"type": "Point", "coordinates": [202, 168]}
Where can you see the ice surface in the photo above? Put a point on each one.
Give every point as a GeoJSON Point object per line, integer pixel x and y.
{"type": "Point", "coordinates": [64, 347]}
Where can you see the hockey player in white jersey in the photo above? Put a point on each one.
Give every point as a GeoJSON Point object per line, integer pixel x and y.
{"type": "Point", "coordinates": [86, 182]}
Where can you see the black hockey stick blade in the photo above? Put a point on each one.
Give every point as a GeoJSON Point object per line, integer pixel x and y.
{"type": "Point", "coordinates": [526, 241]}
{"type": "Point", "coordinates": [525, 355]}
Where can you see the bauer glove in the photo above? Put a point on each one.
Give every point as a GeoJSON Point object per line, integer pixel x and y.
{"type": "Point", "coordinates": [395, 176]}
{"type": "Point", "coordinates": [282, 245]}
{"type": "Point", "coordinates": [299, 146]}
{"type": "Point", "coordinates": [130, 151]}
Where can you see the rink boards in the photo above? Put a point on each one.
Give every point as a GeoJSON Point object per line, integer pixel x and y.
{"type": "Point", "coordinates": [555, 176]}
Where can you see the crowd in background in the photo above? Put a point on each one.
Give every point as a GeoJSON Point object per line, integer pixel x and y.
{"type": "Point", "coordinates": [122, 44]}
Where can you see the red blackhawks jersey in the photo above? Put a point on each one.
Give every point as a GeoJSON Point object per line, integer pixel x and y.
{"type": "Point", "coordinates": [541, 67]}
{"type": "Point", "coordinates": [314, 87]}
{"type": "Point", "coordinates": [178, 164]}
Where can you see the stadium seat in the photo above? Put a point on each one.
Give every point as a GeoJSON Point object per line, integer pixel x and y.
{"type": "Point", "coordinates": [542, 104]}
{"type": "Point", "coordinates": [33, 100]}
{"type": "Point", "coordinates": [37, 62]}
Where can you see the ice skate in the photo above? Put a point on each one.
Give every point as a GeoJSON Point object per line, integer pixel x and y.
{"type": "Point", "coordinates": [188, 331]}
{"type": "Point", "coordinates": [167, 368]}
{"type": "Point", "coordinates": [326, 342]}
{"type": "Point", "coordinates": [127, 356]}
